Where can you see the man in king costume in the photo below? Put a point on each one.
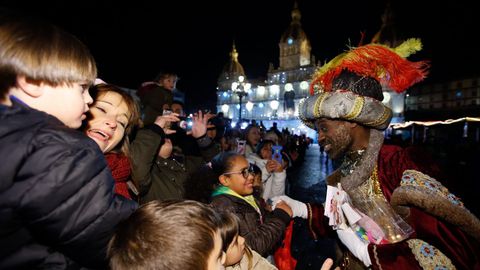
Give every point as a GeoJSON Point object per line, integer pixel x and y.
{"type": "Point", "coordinates": [384, 202]}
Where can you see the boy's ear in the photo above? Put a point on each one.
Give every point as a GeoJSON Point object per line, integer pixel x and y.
{"type": "Point", "coordinates": [223, 180]}
{"type": "Point", "coordinates": [30, 87]}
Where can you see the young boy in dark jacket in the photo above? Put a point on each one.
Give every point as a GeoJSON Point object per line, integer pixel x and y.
{"type": "Point", "coordinates": [57, 205]}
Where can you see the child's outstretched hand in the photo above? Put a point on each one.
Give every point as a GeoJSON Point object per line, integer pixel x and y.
{"type": "Point", "coordinates": [327, 265]}
{"type": "Point", "coordinates": [285, 207]}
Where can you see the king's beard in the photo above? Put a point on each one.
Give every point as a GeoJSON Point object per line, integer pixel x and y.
{"type": "Point", "coordinates": [339, 143]}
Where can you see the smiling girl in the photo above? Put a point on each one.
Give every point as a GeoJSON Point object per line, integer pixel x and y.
{"type": "Point", "coordinates": [262, 230]}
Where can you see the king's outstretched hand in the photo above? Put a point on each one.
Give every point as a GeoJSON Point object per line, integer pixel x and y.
{"type": "Point", "coordinates": [299, 208]}
{"type": "Point", "coordinates": [358, 248]}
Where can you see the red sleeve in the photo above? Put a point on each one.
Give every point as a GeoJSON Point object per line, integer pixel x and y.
{"type": "Point", "coordinates": [317, 222]}
{"type": "Point", "coordinates": [462, 249]}
{"type": "Point", "coordinates": [393, 161]}
{"type": "Point", "coordinates": [392, 256]}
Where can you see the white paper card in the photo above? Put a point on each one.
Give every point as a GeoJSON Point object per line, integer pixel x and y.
{"type": "Point", "coordinates": [351, 215]}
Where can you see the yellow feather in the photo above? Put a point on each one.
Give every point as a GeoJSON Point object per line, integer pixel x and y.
{"type": "Point", "coordinates": [331, 64]}
{"type": "Point", "coordinates": [408, 47]}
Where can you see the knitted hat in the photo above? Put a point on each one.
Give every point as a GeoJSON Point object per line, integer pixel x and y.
{"type": "Point", "coordinates": [349, 87]}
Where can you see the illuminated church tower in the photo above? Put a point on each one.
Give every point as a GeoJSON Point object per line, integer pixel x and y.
{"type": "Point", "coordinates": [230, 71]}
{"type": "Point", "coordinates": [275, 99]}
{"type": "Point", "coordinates": [294, 45]}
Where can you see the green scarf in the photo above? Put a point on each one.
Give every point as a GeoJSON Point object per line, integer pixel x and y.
{"type": "Point", "coordinates": [226, 190]}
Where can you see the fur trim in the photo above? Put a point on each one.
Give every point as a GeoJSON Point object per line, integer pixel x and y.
{"type": "Point", "coordinates": [424, 192]}
{"type": "Point", "coordinates": [334, 178]}
{"type": "Point", "coordinates": [365, 168]}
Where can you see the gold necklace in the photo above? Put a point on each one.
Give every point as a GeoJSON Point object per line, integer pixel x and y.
{"type": "Point", "coordinates": [351, 161]}
{"type": "Point", "coordinates": [371, 187]}
{"type": "Point", "coordinates": [375, 184]}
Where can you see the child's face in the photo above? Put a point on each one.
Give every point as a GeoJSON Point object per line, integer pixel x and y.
{"type": "Point", "coordinates": [169, 82]}
{"type": "Point", "coordinates": [235, 251]}
{"type": "Point", "coordinates": [217, 256]}
{"type": "Point", "coordinates": [266, 152]}
{"type": "Point", "coordinates": [67, 103]}
{"type": "Point", "coordinates": [253, 136]}
{"type": "Point", "coordinates": [228, 144]}
{"type": "Point", "coordinates": [110, 116]}
{"type": "Point", "coordinates": [235, 179]}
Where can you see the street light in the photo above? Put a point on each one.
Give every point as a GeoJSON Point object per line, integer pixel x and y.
{"type": "Point", "coordinates": [240, 88]}
{"type": "Point", "coordinates": [274, 105]}
{"type": "Point", "coordinates": [249, 106]}
{"type": "Point", "coordinates": [225, 108]}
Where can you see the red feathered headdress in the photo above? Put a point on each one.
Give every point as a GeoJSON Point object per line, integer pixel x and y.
{"type": "Point", "coordinates": [386, 65]}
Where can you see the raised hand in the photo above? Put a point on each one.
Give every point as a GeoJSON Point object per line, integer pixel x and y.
{"type": "Point", "coordinates": [164, 121]}
{"type": "Point", "coordinates": [273, 166]}
{"type": "Point", "coordinates": [199, 124]}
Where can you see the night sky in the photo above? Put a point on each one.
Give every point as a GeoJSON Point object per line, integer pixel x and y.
{"type": "Point", "coordinates": [133, 41]}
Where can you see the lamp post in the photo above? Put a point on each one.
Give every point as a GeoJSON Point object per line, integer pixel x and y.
{"type": "Point", "coordinates": [240, 88]}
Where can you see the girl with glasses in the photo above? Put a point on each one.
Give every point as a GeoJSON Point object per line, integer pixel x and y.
{"type": "Point", "coordinates": [261, 229]}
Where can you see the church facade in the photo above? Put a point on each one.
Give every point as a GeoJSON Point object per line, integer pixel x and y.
{"type": "Point", "coordinates": [275, 99]}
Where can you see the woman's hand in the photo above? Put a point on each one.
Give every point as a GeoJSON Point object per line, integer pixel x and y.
{"type": "Point", "coordinates": [164, 121]}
